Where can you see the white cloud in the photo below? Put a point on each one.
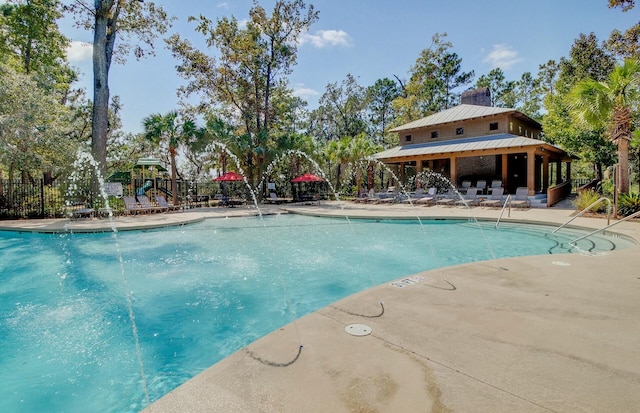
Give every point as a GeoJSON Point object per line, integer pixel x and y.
{"type": "Point", "coordinates": [304, 92]}
{"type": "Point", "coordinates": [324, 38]}
{"type": "Point", "coordinates": [502, 56]}
{"type": "Point", "coordinates": [79, 51]}
{"type": "Point", "coordinates": [223, 5]}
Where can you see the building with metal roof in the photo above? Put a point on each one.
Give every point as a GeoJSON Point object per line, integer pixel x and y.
{"type": "Point", "coordinates": [475, 142]}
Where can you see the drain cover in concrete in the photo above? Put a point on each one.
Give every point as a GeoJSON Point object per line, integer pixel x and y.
{"type": "Point", "coordinates": [561, 263]}
{"type": "Point", "coordinates": [358, 329]}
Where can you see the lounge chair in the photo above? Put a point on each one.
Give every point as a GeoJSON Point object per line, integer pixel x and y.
{"type": "Point", "coordinates": [481, 185]}
{"type": "Point", "coordinates": [496, 183]}
{"type": "Point", "coordinates": [145, 203]}
{"type": "Point", "coordinates": [521, 198]}
{"type": "Point", "coordinates": [131, 206]}
{"type": "Point", "coordinates": [83, 213]}
{"type": "Point", "coordinates": [162, 202]}
{"type": "Point", "coordinates": [274, 199]}
{"type": "Point", "coordinates": [469, 198]}
{"type": "Point", "coordinates": [464, 187]}
{"type": "Point", "coordinates": [495, 199]}
{"type": "Point", "coordinates": [411, 198]}
{"type": "Point", "coordinates": [448, 199]}
{"type": "Point", "coordinates": [429, 199]}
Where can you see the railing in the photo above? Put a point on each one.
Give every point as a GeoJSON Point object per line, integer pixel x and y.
{"type": "Point", "coordinates": [506, 202]}
{"type": "Point", "coordinates": [587, 209]}
{"type": "Point", "coordinates": [558, 193]}
{"type": "Point", "coordinates": [635, 214]}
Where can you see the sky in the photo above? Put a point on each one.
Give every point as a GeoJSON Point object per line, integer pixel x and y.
{"type": "Point", "coordinates": [369, 39]}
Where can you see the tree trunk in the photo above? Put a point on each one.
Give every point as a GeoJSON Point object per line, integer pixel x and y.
{"type": "Point", "coordinates": [174, 178]}
{"type": "Point", "coordinates": [623, 162]}
{"type": "Point", "coordinates": [100, 121]}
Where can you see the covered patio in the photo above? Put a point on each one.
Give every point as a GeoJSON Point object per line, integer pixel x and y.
{"type": "Point", "coordinates": [517, 161]}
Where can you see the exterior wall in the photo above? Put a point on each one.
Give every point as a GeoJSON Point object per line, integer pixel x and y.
{"type": "Point", "coordinates": [471, 128]}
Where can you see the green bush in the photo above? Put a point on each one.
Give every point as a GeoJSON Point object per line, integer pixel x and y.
{"type": "Point", "coordinates": [588, 197]}
{"type": "Point", "coordinates": [628, 203]}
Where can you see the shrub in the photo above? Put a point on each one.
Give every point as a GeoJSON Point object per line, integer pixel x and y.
{"type": "Point", "coordinates": [628, 203]}
{"type": "Point", "coordinates": [588, 197]}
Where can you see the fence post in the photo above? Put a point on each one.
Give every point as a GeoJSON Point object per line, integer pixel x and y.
{"type": "Point", "coordinates": [41, 198]}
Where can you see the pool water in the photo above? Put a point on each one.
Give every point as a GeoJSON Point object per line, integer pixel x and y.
{"type": "Point", "coordinates": [201, 292]}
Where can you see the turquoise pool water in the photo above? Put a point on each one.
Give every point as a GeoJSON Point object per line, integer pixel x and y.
{"type": "Point", "coordinates": [201, 292]}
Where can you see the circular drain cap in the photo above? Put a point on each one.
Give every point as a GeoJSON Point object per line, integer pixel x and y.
{"type": "Point", "coordinates": [561, 263]}
{"type": "Point", "coordinates": [358, 329]}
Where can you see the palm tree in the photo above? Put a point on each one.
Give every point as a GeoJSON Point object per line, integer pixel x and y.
{"type": "Point", "coordinates": [611, 103]}
{"type": "Point", "coordinates": [167, 130]}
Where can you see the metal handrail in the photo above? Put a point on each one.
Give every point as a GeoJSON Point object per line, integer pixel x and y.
{"type": "Point", "coordinates": [635, 214]}
{"type": "Point", "coordinates": [604, 198]}
{"type": "Point", "coordinates": [506, 202]}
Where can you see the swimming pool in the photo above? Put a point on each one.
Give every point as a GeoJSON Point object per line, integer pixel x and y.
{"type": "Point", "coordinates": [201, 292]}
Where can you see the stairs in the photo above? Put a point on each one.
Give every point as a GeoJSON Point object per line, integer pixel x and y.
{"type": "Point", "coordinates": [538, 201]}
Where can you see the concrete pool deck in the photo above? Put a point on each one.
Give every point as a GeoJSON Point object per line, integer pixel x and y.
{"type": "Point", "coordinates": [552, 333]}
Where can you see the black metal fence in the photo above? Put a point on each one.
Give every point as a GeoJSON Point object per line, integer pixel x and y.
{"type": "Point", "coordinates": [30, 199]}
{"type": "Point", "coordinates": [38, 199]}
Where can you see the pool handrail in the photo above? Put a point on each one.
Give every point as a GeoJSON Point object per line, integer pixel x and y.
{"type": "Point", "coordinates": [635, 214]}
{"type": "Point", "coordinates": [506, 202]}
{"type": "Point", "coordinates": [604, 198]}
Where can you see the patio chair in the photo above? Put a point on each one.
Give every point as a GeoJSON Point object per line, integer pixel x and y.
{"type": "Point", "coordinates": [464, 187]}
{"type": "Point", "coordinates": [144, 202]}
{"type": "Point", "coordinates": [411, 198]}
{"type": "Point", "coordinates": [162, 202]}
{"type": "Point", "coordinates": [495, 199]}
{"type": "Point", "coordinates": [131, 206]}
{"type": "Point", "coordinates": [481, 185]}
{"type": "Point", "coordinates": [274, 199]}
{"type": "Point", "coordinates": [469, 198]}
{"type": "Point", "coordinates": [496, 183]}
{"type": "Point", "coordinates": [521, 198]}
{"type": "Point", "coordinates": [429, 199]}
{"type": "Point", "coordinates": [448, 199]}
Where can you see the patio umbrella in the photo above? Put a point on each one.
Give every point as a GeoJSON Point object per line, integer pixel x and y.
{"type": "Point", "coordinates": [307, 178]}
{"type": "Point", "coordinates": [229, 176]}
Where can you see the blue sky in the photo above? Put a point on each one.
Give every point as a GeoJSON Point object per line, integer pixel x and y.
{"type": "Point", "coordinates": [371, 39]}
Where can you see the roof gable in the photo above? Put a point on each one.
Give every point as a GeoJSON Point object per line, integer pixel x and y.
{"type": "Point", "coordinates": [457, 114]}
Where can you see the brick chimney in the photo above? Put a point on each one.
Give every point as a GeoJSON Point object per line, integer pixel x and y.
{"type": "Point", "coordinates": [481, 97]}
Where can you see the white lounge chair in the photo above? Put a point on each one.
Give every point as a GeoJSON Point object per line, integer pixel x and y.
{"type": "Point", "coordinates": [495, 199]}
{"type": "Point", "coordinates": [469, 198]}
{"type": "Point", "coordinates": [427, 200]}
{"type": "Point", "coordinates": [521, 198]}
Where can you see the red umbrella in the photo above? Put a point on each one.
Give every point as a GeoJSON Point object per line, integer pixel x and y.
{"type": "Point", "coordinates": [307, 178]}
{"type": "Point", "coordinates": [230, 176]}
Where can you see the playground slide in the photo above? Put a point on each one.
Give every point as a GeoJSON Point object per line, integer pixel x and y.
{"type": "Point", "coordinates": [148, 184]}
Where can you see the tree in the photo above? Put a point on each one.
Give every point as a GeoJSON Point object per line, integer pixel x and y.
{"type": "Point", "coordinates": [169, 131]}
{"type": "Point", "coordinates": [380, 99]}
{"type": "Point", "coordinates": [587, 60]}
{"type": "Point", "coordinates": [32, 35]}
{"type": "Point", "coordinates": [32, 122]}
{"type": "Point", "coordinates": [435, 76]}
{"type": "Point", "coordinates": [341, 111]}
{"type": "Point", "coordinates": [625, 44]}
{"type": "Point", "coordinates": [252, 65]}
{"type": "Point", "coordinates": [115, 24]}
{"type": "Point", "coordinates": [501, 89]}
{"type": "Point", "coordinates": [611, 103]}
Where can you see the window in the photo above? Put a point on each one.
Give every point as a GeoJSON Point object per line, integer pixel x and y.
{"type": "Point", "coordinates": [407, 138]}
{"type": "Point", "coordinates": [459, 131]}
{"type": "Point", "coordinates": [434, 134]}
{"type": "Point", "coordinates": [493, 126]}
{"type": "Point", "coordinates": [510, 126]}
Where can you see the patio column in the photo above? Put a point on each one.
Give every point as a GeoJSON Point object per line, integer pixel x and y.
{"type": "Point", "coordinates": [545, 173]}
{"type": "Point", "coordinates": [402, 166]}
{"type": "Point", "coordinates": [531, 172]}
{"type": "Point", "coordinates": [453, 171]}
{"type": "Point", "coordinates": [505, 171]}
